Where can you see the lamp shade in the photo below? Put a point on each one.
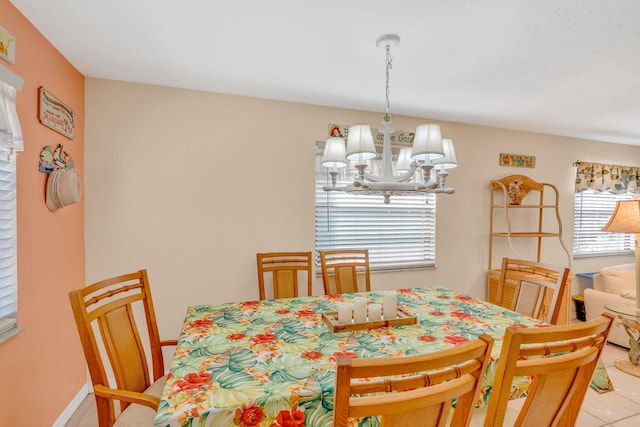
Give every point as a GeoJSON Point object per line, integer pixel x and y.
{"type": "Point", "coordinates": [625, 218]}
{"type": "Point", "coordinates": [334, 155]}
{"type": "Point", "coordinates": [404, 160]}
{"type": "Point", "coordinates": [427, 143]}
{"type": "Point", "coordinates": [360, 144]}
{"type": "Point", "coordinates": [449, 160]}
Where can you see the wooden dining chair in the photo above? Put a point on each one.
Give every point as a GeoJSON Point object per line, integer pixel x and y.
{"type": "Point", "coordinates": [285, 267]}
{"type": "Point", "coordinates": [108, 306]}
{"type": "Point", "coordinates": [560, 359]}
{"type": "Point", "coordinates": [532, 288]}
{"type": "Point", "coordinates": [415, 390]}
{"type": "Point", "coordinates": [341, 269]}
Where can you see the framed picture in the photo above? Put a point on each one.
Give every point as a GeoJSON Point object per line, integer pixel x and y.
{"type": "Point", "coordinates": [517, 160]}
{"type": "Point", "coordinates": [7, 46]}
{"type": "Point", "coordinates": [54, 114]}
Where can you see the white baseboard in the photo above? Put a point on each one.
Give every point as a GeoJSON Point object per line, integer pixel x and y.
{"type": "Point", "coordinates": [72, 406]}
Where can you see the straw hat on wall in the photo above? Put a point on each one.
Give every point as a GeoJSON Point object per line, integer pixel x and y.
{"type": "Point", "coordinates": [63, 188]}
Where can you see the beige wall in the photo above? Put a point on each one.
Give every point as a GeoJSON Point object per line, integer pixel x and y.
{"type": "Point", "coordinates": [190, 185]}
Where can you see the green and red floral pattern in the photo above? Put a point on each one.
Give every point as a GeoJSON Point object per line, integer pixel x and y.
{"type": "Point", "coordinates": [271, 363]}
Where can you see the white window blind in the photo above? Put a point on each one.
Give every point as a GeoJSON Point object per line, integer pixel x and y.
{"type": "Point", "coordinates": [10, 141]}
{"type": "Point", "coordinates": [8, 283]}
{"type": "Point", "coordinates": [399, 235]}
{"type": "Point", "coordinates": [592, 211]}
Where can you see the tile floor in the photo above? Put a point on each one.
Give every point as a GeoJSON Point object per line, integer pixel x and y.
{"type": "Point", "coordinates": [620, 408]}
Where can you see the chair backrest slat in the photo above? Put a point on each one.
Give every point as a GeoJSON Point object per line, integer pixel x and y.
{"type": "Point", "coordinates": [282, 269]}
{"type": "Point", "coordinates": [343, 269]}
{"type": "Point", "coordinates": [412, 391]}
{"type": "Point", "coordinates": [532, 288]}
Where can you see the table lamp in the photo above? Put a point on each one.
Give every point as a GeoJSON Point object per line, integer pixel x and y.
{"type": "Point", "coordinates": [626, 219]}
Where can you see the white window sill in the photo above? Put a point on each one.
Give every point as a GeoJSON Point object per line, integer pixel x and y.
{"type": "Point", "coordinates": [9, 328]}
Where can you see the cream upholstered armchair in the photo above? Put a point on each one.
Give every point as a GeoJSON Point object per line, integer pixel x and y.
{"type": "Point", "coordinates": [612, 286]}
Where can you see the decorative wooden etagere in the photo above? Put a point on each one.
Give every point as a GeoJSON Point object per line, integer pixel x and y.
{"type": "Point", "coordinates": [515, 195]}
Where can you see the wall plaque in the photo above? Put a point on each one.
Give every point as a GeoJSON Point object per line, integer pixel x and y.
{"type": "Point", "coordinates": [54, 114]}
{"type": "Point", "coordinates": [517, 160]}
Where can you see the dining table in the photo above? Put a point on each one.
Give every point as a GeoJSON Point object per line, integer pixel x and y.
{"type": "Point", "coordinates": [271, 363]}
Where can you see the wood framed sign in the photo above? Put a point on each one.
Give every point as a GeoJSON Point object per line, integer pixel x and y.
{"type": "Point", "coordinates": [517, 160]}
{"type": "Point", "coordinates": [54, 114]}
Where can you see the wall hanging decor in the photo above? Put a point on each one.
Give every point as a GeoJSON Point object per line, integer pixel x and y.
{"type": "Point", "coordinates": [54, 157]}
{"type": "Point", "coordinates": [63, 183]}
{"type": "Point", "coordinates": [56, 115]}
{"type": "Point", "coordinates": [7, 46]}
{"type": "Point", "coordinates": [517, 160]}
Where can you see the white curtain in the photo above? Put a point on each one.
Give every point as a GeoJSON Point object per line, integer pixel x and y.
{"type": "Point", "coordinates": [10, 131]}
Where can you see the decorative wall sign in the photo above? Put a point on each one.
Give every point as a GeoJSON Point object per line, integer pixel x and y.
{"type": "Point", "coordinates": [7, 46]}
{"type": "Point", "coordinates": [517, 160]}
{"type": "Point", "coordinates": [399, 137]}
{"type": "Point", "coordinates": [54, 114]}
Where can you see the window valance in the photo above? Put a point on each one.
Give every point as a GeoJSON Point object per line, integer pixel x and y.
{"type": "Point", "coordinates": [606, 178]}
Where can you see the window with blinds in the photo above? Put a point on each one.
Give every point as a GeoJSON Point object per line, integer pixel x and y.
{"type": "Point", "coordinates": [8, 267]}
{"type": "Point", "coordinates": [399, 235]}
{"type": "Point", "coordinates": [10, 142]}
{"type": "Point", "coordinates": [592, 211]}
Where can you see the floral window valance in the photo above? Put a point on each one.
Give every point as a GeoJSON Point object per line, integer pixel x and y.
{"type": "Point", "coordinates": [610, 178]}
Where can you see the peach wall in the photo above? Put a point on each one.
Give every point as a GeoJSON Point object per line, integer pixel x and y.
{"type": "Point", "coordinates": [42, 368]}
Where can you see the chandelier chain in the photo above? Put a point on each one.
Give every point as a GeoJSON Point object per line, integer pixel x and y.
{"type": "Point", "coordinates": [388, 67]}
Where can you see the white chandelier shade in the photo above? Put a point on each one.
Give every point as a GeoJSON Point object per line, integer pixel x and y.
{"type": "Point", "coordinates": [360, 144]}
{"type": "Point", "coordinates": [427, 143]}
{"type": "Point", "coordinates": [335, 154]}
{"type": "Point", "coordinates": [412, 175]}
{"type": "Point", "coordinates": [403, 164]}
{"type": "Point", "coordinates": [449, 160]}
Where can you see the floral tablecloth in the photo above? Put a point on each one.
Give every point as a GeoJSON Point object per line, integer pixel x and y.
{"type": "Point", "coordinates": [272, 363]}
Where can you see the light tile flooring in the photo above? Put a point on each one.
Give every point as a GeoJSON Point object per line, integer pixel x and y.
{"type": "Point", "coordinates": [620, 408]}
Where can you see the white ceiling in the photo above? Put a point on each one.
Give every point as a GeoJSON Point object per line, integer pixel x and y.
{"type": "Point", "coordinates": [565, 67]}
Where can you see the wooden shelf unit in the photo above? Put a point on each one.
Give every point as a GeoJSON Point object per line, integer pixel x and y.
{"type": "Point", "coordinates": [501, 201]}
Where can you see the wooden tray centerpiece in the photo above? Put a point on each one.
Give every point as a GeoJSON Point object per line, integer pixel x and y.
{"type": "Point", "coordinates": [402, 318]}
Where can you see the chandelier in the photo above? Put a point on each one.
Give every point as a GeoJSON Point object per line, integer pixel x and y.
{"type": "Point", "coordinates": [413, 166]}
